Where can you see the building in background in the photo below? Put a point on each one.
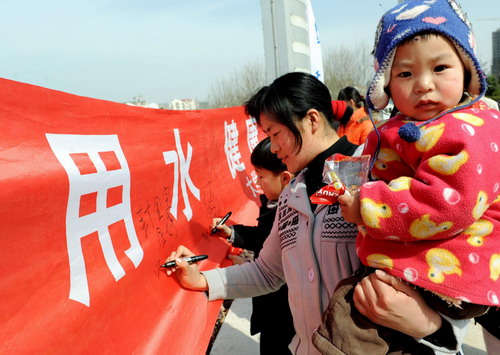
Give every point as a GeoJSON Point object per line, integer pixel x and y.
{"type": "Point", "coordinates": [183, 104]}
{"type": "Point", "coordinates": [141, 102]}
{"type": "Point", "coordinates": [495, 67]}
{"type": "Point", "coordinates": [291, 40]}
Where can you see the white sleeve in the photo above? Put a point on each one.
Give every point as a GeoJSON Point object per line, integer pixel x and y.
{"type": "Point", "coordinates": [216, 281]}
{"type": "Point", "coordinates": [240, 281]}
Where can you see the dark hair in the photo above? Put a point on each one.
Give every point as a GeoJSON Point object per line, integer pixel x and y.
{"type": "Point", "coordinates": [346, 117]}
{"type": "Point", "coordinates": [263, 158]}
{"type": "Point", "coordinates": [287, 100]}
{"type": "Point", "coordinates": [349, 93]}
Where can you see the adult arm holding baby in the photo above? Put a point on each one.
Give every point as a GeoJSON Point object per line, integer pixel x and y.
{"type": "Point", "coordinates": [385, 299]}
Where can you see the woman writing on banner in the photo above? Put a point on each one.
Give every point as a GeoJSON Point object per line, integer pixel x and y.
{"type": "Point", "coordinates": [310, 247]}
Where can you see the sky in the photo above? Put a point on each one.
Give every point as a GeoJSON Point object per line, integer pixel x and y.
{"type": "Point", "coordinates": [166, 49]}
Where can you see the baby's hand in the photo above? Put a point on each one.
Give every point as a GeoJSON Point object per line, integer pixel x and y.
{"type": "Point", "coordinates": [351, 208]}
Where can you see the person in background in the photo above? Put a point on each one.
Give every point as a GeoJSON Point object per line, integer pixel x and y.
{"type": "Point", "coordinates": [276, 331]}
{"type": "Point", "coordinates": [357, 125]}
{"type": "Point", "coordinates": [432, 215]}
{"type": "Point", "coordinates": [310, 247]}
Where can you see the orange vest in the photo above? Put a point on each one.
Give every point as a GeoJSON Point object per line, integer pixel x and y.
{"type": "Point", "coordinates": [357, 128]}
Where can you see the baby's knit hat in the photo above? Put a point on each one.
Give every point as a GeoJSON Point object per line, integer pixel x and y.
{"type": "Point", "coordinates": [415, 16]}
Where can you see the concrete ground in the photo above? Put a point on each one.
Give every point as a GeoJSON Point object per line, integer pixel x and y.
{"type": "Point", "coordinates": [234, 336]}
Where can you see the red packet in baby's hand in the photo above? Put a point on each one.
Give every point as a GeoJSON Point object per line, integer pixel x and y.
{"type": "Point", "coordinates": [328, 195]}
{"type": "Point", "coordinates": [341, 173]}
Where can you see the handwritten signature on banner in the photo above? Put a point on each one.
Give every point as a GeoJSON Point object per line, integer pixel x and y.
{"type": "Point", "coordinates": [156, 220]}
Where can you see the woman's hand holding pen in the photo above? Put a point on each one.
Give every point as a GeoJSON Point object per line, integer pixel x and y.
{"type": "Point", "coordinates": [221, 228]}
{"type": "Point", "coordinates": [188, 275]}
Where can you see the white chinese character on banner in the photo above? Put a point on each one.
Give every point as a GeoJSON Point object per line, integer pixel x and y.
{"type": "Point", "coordinates": [181, 164]}
{"type": "Point", "coordinates": [231, 149]}
{"type": "Point", "coordinates": [252, 183]}
{"type": "Point", "coordinates": [99, 197]}
{"type": "Point", "coordinates": [252, 132]}
{"type": "Point", "coordinates": [255, 178]}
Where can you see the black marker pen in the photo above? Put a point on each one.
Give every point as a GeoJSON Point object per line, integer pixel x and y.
{"type": "Point", "coordinates": [221, 222]}
{"type": "Point", "coordinates": [189, 259]}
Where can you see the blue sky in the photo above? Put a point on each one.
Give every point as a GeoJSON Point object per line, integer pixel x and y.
{"type": "Point", "coordinates": [166, 49]}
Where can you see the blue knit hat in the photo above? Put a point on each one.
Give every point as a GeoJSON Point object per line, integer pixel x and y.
{"type": "Point", "coordinates": [410, 18]}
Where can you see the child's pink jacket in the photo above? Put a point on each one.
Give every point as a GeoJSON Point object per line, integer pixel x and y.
{"type": "Point", "coordinates": [433, 219]}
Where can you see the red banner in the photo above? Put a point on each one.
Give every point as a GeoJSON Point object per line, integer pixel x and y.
{"type": "Point", "coordinates": [95, 195]}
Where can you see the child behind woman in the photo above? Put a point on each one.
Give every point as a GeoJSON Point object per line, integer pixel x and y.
{"type": "Point", "coordinates": [432, 218]}
{"type": "Point", "coordinates": [276, 331]}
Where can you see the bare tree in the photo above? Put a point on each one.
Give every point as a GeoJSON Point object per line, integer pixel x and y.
{"type": "Point", "coordinates": [348, 66]}
{"type": "Point", "coordinates": [238, 87]}
{"type": "Point", "coordinates": [343, 66]}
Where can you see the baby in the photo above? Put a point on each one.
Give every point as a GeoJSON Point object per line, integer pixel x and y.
{"type": "Point", "coordinates": [432, 217]}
